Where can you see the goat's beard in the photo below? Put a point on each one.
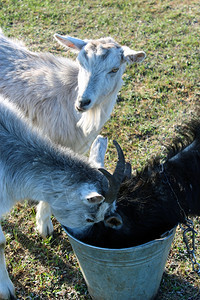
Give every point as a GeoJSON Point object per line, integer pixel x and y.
{"type": "Point", "coordinates": [96, 117]}
{"type": "Point", "coordinates": [92, 120]}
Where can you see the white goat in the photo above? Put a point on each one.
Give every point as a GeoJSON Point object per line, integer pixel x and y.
{"type": "Point", "coordinates": [32, 167]}
{"type": "Point", "coordinates": [69, 101]}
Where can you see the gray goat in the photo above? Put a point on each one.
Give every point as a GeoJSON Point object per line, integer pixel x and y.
{"type": "Point", "coordinates": [33, 167]}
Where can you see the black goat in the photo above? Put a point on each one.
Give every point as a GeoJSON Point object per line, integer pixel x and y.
{"type": "Point", "coordinates": [156, 199]}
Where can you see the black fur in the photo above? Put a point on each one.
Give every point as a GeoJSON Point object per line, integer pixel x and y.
{"type": "Point", "coordinates": [158, 198]}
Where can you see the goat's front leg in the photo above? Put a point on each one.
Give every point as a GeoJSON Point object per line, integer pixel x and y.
{"type": "Point", "coordinates": [98, 151]}
{"type": "Point", "coordinates": [7, 290]}
{"type": "Point", "coordinates": [43, 219]}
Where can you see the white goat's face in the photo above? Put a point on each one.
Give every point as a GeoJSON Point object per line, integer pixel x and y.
{"type": "Point", "coordinates": [101, 66]}
{"type": "Point", "coordinates": [84, 208]}
{"type": "Point", "coordinates": [100, 75]}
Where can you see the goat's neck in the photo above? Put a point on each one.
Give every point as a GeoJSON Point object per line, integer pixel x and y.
{"type": "Point", "coordinates": [171, 193]}
{"type": "Point", "coordinates": [184, 169]}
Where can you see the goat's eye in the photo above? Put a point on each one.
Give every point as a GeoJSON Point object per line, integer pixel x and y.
{"type": "Point", "coordinates": [114, 70]}
{"type": "Point", "coordinates": [89, 220]}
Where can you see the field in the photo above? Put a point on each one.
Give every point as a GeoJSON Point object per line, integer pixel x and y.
{"type": "Point", "coordinates": [158, 95]}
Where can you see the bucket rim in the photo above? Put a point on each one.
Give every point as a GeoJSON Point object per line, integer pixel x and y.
{"type": "Point", "coordinates": [164, 237]}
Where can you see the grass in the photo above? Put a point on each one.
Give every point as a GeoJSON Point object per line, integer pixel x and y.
{"type": "Point", "coordinates": [157, 95]}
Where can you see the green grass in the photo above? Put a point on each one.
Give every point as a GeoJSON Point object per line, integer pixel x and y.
{"type": "Point", "coordinates": [157, 95]}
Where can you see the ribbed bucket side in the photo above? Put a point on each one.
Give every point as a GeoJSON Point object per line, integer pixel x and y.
{"type": "Point", "coordinates": [123, 274]}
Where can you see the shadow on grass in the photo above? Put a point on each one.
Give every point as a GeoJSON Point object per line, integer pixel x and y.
{"type": "Point", "coordinates": [172, 287]}
{"type": "Point", "coordinates": [175, 288]}
{"type": "Point", "coordinates": [48, 256]}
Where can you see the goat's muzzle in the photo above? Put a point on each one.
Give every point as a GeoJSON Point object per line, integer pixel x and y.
{"type": "Point", "coordinates": [83, 104]}
{"type": "Point", "coordinates": [114, 220]}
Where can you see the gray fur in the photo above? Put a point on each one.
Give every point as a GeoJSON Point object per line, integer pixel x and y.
{"type": "Point", "coordinates": [32, 167]}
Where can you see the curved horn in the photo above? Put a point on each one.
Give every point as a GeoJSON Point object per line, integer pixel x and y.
{"type": "Point", "coordinates": [116, 179]}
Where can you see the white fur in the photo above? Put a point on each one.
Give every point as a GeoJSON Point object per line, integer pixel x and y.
{"type": "Point", "coordinates": [6, 285]}
{"type": "Point", "coordinates": [43, 219]}
{"type": "Point", "coordinates": [98, 151]}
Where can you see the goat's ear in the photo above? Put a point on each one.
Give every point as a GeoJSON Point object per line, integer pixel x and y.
{"type": "Point", "coordinates": [113, 221]}
{"type": "Point", "coordinates": [132, 56]}
{"type": "Point", "coordinates": [94, 198]}
{"type": "Point", "coordinates": [71, 43]}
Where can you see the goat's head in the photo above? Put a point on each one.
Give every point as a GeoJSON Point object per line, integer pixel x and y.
{"type": "Point", "coordinates": [91, 199]}
{"type": "Point", "coordinates": [101, 66]}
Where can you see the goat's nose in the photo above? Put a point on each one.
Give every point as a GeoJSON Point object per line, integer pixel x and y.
{"type": "Point", "coordinates": [83, 103]}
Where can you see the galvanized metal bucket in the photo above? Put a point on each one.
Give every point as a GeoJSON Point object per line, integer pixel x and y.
{"type": "Point", "coordinates": [123, 274]}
